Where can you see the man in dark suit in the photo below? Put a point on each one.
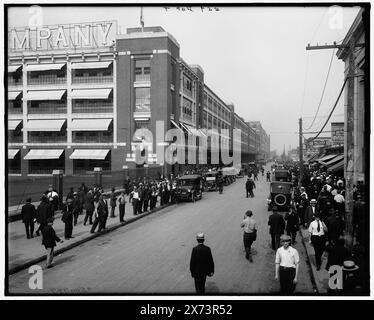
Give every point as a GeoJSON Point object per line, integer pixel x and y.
{"type": "Point", "coordinates": [277, 225]}
{"type": "Point", "coordinates": [28, 213]}
{"type": "Point", "coordinates": [49, 240]}
{"type": "Point", "coordinates": [100, 213]}
{"type": "Point", "coordinates": [201, 264]}
{"type": "Point", "coordinates": [310, 212]}
{"type": "Point", "coordinates": [335, 226]}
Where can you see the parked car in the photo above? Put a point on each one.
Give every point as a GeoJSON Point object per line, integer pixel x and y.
{"type": "Point", "coordinates": [189, 188]}
{"type": "Point", "coordinates": [281, 196]}
{"type": "Point", "coordinates": [282, 175]}
{"type": "Point", "coordinates": [211, 180]}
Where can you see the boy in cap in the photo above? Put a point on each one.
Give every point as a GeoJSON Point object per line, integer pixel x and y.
{"type": "Point", "coordinates": [49, 241]}
{"type": "Point", "coordinates": [286, 266]}
{"type": "Point", "coordinates": [201, 264]}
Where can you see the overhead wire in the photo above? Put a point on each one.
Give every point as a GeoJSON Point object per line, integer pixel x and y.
{"type": "Point", "coordinates": [323, 91]}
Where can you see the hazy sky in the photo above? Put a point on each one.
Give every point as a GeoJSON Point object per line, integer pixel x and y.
{"type": "Point", "coordinates": [254, 57]}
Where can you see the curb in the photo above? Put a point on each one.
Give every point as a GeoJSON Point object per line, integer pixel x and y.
{"type": "Point", "coordinates": [86, 239]}
{"type": "Point", "coordinates": [313, 275]}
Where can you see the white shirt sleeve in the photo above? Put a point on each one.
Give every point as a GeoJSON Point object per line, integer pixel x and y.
{"type": "Point", "coordinates": [297, 258]}
{"type": "Point", "coordinates": [277, 257]}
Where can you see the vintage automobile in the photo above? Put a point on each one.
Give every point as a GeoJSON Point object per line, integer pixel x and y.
{"type": "Point", "coordinates": [189, 188]}
{"type": "Point", "coordinates": [229, 175]}
{"type": "Point", "coordinates": [281, 196]}
{"type": "Point", "coordinates": [211, 180]}
{"type": "Point", "coordinates": [282, 175]}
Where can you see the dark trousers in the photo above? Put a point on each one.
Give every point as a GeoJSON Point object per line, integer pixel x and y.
{"type": "Point", "coordinates": [292, 234]}
{"type": "Point", "coordinates": [140, 206]}
{"type": "Point", "coordinates": [153, 202]}
{"type": "Point", "coordinates": [41, 227]}
{"type": "Point", "coordinates": [75, 216]}
{"type": "Point", "coordinates": [301, 212]}
{"type": "Point", "coordinates": [98, 221]}
{"type": "Point", "coordinates": [255, 178]}
{"type": "Point", "coordinates": [88, 217]}
{"type": "Point", "coordinates": [250, 193]}
{"type": "Point", "coordinates": [105, 218]}
{"type": "Point", "coordinates": [135, 206]}
{"type": "Point", "coordinates": [200, 284]}
{"type": "Point", "coordinates": [121, 212]}
{"type": "Point", "coordinates": [68, 230]}
{"type": "Point", "coordinates": [275, 240]}
{"type": "Point", "coordinates": [29, 226]}
{"type": "Point", "coordinates": [112, 212]}
{"type": "Point", "coordinates": [286, 276]}
{"type": "Point", "coordinates": [247, 240]}
{"type": "Point", "coordinates": [145, 205]}
{"type": "Point", "coordinates": [267, 179]}
{"type": "Point", "coordinates": [318, 243]}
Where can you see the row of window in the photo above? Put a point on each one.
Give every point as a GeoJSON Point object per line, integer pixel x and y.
{"type": "Point", "coordinates": [216, 107]}
{"type": "Point", "coordinates": [47, 166]}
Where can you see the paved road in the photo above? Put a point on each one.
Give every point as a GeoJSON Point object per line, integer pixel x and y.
{"type": "Point", "coordinates": [151, 256]}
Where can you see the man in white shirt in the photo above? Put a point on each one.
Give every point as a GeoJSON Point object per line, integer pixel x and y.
{"type": "Point", "coordinates": [317, 231]}
{"type": "Point", "coordinates": [287, 266]}
{"type": "Point", "coordinates": [249, 227]}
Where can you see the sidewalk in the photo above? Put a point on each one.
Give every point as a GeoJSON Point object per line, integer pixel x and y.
{"type": "Point", "coordinates": [320, 277]}
{"type": "Point", "coordinates": [23, 252]}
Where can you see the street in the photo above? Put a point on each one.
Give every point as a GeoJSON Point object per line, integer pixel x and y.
{"type": "Point", "coordinates": [151, 255]}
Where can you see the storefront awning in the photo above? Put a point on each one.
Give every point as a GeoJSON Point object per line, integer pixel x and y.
{"type": "Point", "coordinates": [44, 125]}
{"type": "Point", "coordinates": [45, 95]}
{"type": "Point", "coordinates": [194, 131]}
{"type": "Point", "coordinates": [91, 65]}
{"type": "Point", "coordinates": [91, 94]}
{"type": "Point", "coordinates": [326, 158]}
{"type": "Point", "coordinates": [13, 95]}
{"type": "Point", "coordinates": [90, 124]}
{"type": "Point", "coordinates": [334, 160]}
{"type": "Point", "coordinates": [12, 153]}
{"type": "Point", "coordinates": [14, 68]}
{"type": "Point", "coordinates": [89, 154]}
{"type": "Point", "coordinates": [43, 154]}
{"type": "Point", "coordinates": [337, 166]}
{"type": "Point", "coordinates": [176, 125]}
{"type": "Point", "coordinates": [185, 127]}
{"type": "Point", "coordinates": [13, 124]}
{"type": "Point", "coordinates": [44, 67]}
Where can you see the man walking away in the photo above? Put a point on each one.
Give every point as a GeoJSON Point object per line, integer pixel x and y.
{"type": "Point", "coordinates": [287, 266]}
{"type": "Point", "coordinates": [292, 220]}
{"type": "Point", "coordinates": [201, 264]}
{"type": "Point", "coordinates": [268, 174]}
{"type": "Point", "coordinates": [28, 213]}
{"type": "Point", "coordinates": [89, 206]}
{"type": "Point", "coordinates": [77, 207]}
{"type": "Point", "coordinates": [99, 213]}
{"type": "Point", "coordinates": [49, 240]}
{"type": "Point", "coordinates": [317, 230]}
{"type": "Point", "coordinates": [277, 224]}
{"type": "Point", "coordinates": [249, 227]}
{"type": "Point", "coordinates": [249, 185]}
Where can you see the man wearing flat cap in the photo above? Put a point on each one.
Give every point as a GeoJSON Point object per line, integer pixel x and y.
{"type": "Point", "coordinates": [286, 266]}
{"type": "Point", "coordinates": [201, 264]}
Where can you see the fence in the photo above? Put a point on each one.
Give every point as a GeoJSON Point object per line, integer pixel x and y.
{"type": "Point", "coordinates": [20, 188]}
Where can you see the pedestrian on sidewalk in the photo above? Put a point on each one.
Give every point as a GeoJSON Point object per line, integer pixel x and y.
{"type": "Point", "coordinates": [277, 225]}
{"type": "Point", "coordinates": [43, 212]}
{"type": "Point", "coordinates": [28, 214]}
{"type": "Point", "coordinates": [99, 213]}
{"type": "Point", "coordinates": [67, 218]}
{"type": "Point", "coordinates": [113, 203]}
{"type": "Point", "coordinates": [201, 264]}
{"type": "Point", "coordinates": [49, 241]}
{"type": "Point", "coordinates": [250, 233]}
{"type": "Point", "coordinates": [293, 222]}
{"type": "Point", "coordinates": [318, 230]}
{"type": "Point", "coordinates": [121, 205]}
{"type": "Point", "coordinates": [287, 266]}
{"type": "Point", "coordinates": [337, 253]}
{"type": "Point", "coordinates": [154, 196]}
{"type": "Point", "coordinates": [77, 208]}
{"type": "Point", "coordinates": [106, 209]}
{"type": "Point", "coordinates": [310, 212]}
{"type": "Point", "coordinates": [134, 198]}
{"type": "Point", "coordinates": [302, 204]}
{"type": "Point", "coordinates": [89, 206]}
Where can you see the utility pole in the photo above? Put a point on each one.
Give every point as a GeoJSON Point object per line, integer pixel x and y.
{"type": "Point", "coordinates": [349, 135]}
{"type": "Point", "coordinates": [301, 151]}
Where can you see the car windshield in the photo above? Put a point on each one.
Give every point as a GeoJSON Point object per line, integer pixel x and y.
{"type": "Point", "coordinates": [186, 183]}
